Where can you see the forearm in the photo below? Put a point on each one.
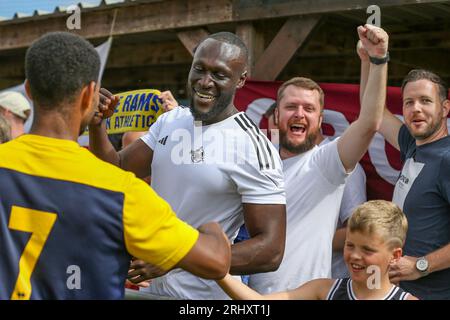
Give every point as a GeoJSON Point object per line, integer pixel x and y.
{"type": "Point", "coordinates": [238, 290]}
{"type": "Point", "coordinates": [365, 66]}
{"type": "Point", "coordinates": [439, 259]}
{"type": "Point", "coordinates": [374, 99]}
{"type": "Point", "coordinates": [216, 253]}
{"type": "Point", "coordinates": [255, 255]}
{"type": "Point", "coordinates": [356, 139]}
{"type": "Point", "coordinates": [390, 128]}
{"type": "Point", "coordinates": [100, 145]}
{"type": "Point", "coordinates": [339, 239]}
{"type": "Point", "coordinates": [210, 256]}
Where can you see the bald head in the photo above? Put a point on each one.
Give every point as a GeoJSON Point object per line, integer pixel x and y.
{"type": "Point", "coordinates": [229, 38]}
{"type": "Point", "coordinates": [233, 39]}
{"type": "Point", "coordinates": [218, 69]}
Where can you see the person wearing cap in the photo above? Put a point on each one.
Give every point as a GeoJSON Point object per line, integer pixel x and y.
{"type": "Point", "coordinates": [15, 108]}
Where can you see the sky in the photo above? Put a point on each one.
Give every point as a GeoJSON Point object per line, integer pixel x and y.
{"type": "Point", "coordinates": [9, 7]}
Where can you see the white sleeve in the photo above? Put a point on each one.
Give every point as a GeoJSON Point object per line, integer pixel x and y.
{"type": "Point", "coordinates": [259, 177]}
{"type": "Point", "coordinates": [354, 193]}
{"type": "Point", "coordinates": [151, 137]}
{"type": "Point", "coordinates": [327, 159]}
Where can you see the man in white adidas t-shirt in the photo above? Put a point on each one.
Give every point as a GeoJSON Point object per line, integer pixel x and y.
{"type": "Point", "coordinates": [315, 175]}
{"type": "Point", "coordinates": [217, 168]}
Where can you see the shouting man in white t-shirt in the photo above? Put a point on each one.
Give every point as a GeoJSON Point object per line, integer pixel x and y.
{"type": "Point", "coordinates": [315, 175]}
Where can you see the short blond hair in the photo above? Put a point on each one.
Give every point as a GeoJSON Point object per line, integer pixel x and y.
{"type": "Point", "coordinates": [304, 83]}
{"type": "Point", "coordinates": [382, 217]}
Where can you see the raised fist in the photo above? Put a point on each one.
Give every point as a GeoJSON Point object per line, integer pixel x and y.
{"type": "Point", "coordinates": [107, 105]}
{"type": "Point", "coordinates": [362, 52]}
{"type": "Point", "coordinates": [168, 101]}
{"type": "Point", "coordinates": [375, 40]}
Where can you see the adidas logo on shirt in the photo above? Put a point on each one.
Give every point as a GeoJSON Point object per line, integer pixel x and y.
{"type": "Point", "coordinates": [163, 140]}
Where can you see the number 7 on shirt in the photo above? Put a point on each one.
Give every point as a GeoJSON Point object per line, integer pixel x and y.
{"type": "Point", "coordinates": [39, 224]}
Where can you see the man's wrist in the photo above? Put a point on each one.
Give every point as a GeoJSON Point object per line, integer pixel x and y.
{"type": "Point", "coordinates": [378, 61]}
{"type": "Point", "coordinates": [97, 126]}
{"type": "Point", "coordinates": [423, 266]}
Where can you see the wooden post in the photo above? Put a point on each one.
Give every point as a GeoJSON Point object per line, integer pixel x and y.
{"type": "Point", "coordinates": [254, 41]}
{"type": "Point", "coordinates": [287, 41]}
{"type": "Point", "coordinates": [191, 38]}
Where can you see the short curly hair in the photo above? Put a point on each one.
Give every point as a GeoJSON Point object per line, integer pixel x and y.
{"type": "Point", "coordinates": [58, 65]}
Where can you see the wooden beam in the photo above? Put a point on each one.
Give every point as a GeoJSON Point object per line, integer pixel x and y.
{"type": "Point", "coordinates": [13, 71]}
{"type": "Point", "coordinates": [147, 54]}
{"type": "Point", "coordinates": [12, 66]}
{"type": "Point", "coordinates": [320, 69]}
{"type": "Point", "coordinates": [10, 82]}
{"type": "Point", "coordinates": [352, 18]}
{"type": "Point", "coordinates": [142, 17]}
{"type": "Point", "coordinates": [441, 7]}
{"type": "Point", "coordinates": [443, 34]}
{"type": "Point", "coordinates": [254, 41]}
{"type": "Point", "coordinates": [156, 77]}
{"type": "Point", "coordinates": [191, 38]}
{"type": "Point", "coordinates": [258, 9]}
{"type": "Point", "coordinates": [411, 13]}
{"type": "Point", "coordinates": [121, 56]}
{"type": "Point", "coordinates": [342, 68]}
{"type": "Point", "coordinates": [390, 19]}
{"type": "Point", "coordinates": [420, 53]}
{"type": "Point", "coordinates": [177, 14]}
{"type": "Point", "coordinates": [287, 41]}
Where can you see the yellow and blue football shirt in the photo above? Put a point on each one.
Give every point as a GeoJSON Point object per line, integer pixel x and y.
{"type": "Point", "coordinates": [63, 210]}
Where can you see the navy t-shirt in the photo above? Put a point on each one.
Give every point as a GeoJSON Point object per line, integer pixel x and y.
{"type": "Point", "coordinates": [423, 192]}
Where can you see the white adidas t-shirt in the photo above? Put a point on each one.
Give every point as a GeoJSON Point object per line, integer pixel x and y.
{"type": "Point", "coordinates": [314, 184]}
{"type": "Point", "coordinates": [205, 173]}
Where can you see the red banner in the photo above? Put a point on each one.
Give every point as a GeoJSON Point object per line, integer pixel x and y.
{"type": "Point", "coordinates": [381, 163]}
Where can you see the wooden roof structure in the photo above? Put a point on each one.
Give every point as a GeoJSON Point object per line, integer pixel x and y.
{"type": "Point", "coordinates": [154, 39]}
